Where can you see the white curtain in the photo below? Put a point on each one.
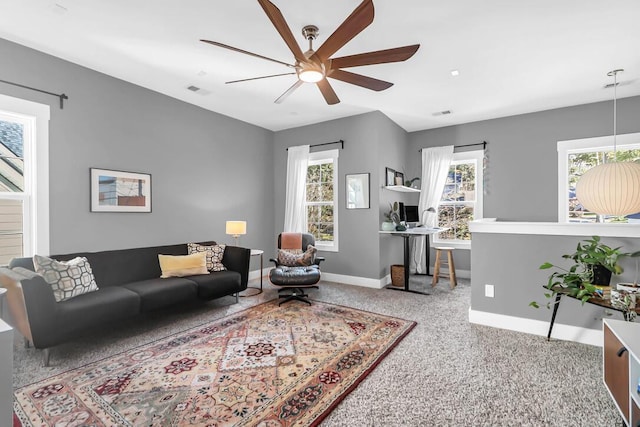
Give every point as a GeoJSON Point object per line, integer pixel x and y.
{"type": "Point", "coordinates": [296, 190]}
{"type": "Point", "coordinates": [435, 167]}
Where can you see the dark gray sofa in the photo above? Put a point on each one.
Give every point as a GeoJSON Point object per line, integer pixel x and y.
{"type": "Point", "coordinates": [129, 284]}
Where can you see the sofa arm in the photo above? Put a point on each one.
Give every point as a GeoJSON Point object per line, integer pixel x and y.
{"type": "Point", "coordinates": [237, 259]}
{"type": "Point", "coordinates": [41, 306]}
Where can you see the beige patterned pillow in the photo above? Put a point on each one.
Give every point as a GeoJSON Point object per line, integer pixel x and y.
{"type": "Point", "coordinates": [214, 255]}
{"type": "Point", "coordinates": [67, 278]}
{"type": "Point", "coordinates": [296, 258]}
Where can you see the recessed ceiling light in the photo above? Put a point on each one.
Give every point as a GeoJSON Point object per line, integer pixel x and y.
{"type": "Point", "coordinates": [455, 73]}
{"type": "Point", "coordinates": [193, 88]}
{"type": "Point", "coordinates": [441, 113]}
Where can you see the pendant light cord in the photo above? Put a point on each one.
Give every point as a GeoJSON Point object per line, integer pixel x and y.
{"type": "Point", "coordinates": [614, 73]}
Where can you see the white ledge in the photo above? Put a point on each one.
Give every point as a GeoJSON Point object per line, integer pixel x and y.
{"type": "Point", "coordinates": [491, 225]}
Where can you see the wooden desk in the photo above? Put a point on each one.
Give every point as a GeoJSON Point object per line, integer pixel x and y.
{"type": "Point", "coordinates": [406, 235]}
{"type": "Point", "coordinates": [605, 303]}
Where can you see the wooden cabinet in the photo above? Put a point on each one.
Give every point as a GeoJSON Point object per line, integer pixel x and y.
{"type": "Point", "coordinates": [621, 359]}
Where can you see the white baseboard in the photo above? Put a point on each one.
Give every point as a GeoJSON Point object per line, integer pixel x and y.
{"type": "Point", "coordinates": [355, 280]}
{"type": "Point", "coordinates": [365, 282]}
{"type": "Point", "coordinates": [537, 327]}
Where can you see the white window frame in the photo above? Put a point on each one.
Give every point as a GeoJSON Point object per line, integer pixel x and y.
{"type": "Point", "coordinates": [626, 141]}
{"type": "Point", "coordinates": [35, 198]}
{"type": "Point", "coordinates": [317, 158]}
{"type": "Point", "coordinates": [476, 157]}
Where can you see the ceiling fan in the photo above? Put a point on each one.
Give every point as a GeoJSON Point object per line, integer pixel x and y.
{"type": "Point", "coordinates": [315, 66]}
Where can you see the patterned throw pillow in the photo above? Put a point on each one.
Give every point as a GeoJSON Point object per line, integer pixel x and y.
{"type": "Point", "coordinates": [297, 258]}
{"type": "Point", "coordinates": [214, 255]}
{"type": "Point", "coordinates": [67, 278]}
{"type": "Point", "coordinates": [182, 265]}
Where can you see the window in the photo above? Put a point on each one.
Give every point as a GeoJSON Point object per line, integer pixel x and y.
{"type": "Point", "coordinates": [577, 156]}
{"type": "Point", "coordinates": [322, 199]}
{"type": "Point", "coordinates": [24, 210]}
{"type": "Point", "coordinates": [461, 199]}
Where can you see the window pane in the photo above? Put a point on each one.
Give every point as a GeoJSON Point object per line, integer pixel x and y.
{"type": "Point", "coordinates": [11, 153]}
{"type": "Point", "coordinates": [313, 173]}
{"type": "Point", "coordinates": [455, 217]}
{"type": "Point", "coordinates": [579, 163]}
{"type": "Point", "coordinates": [313, 193]}
{"type": "Point", "coordinates": [326, 171]}
{"type": "Point", "coordinates": [313, 214]}
{"type": "Point", "coordinates": [10, 230]}
{"type": "Point", "coordinates": [460, 184]}
{"type": "Point", "coordinates": [327, 192]}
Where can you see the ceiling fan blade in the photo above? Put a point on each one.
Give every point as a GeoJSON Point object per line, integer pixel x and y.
{"type": "Point", "coordinates": [278, 21]}
{"type": "Point", "coordinates": [360, 80]}
{"type": "Point", "coordinates": [328, 92]}
{"type": "Point", "coordinates": [397, 54]}
{"type": "Point", "coordinates": [359, 19]}
{"type": "Point", "coordinates": [235, 49]}
{"type": "Point", "coordinates": [259, 78]}
{"type": "Point", "coordinates": [288, 92]}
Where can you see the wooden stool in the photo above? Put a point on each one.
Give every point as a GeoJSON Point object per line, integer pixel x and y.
{"type": "Point", "coordinates": [452, 269]}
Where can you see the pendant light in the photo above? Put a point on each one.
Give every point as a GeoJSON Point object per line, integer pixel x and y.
{"type": "Point", "coordinates": [611, 188]}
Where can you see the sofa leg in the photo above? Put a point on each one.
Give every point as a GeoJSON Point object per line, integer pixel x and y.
{"type": "Point", "coordinates": [237, 297]}
{"type": "Point", "coordinates": [26, 342]}
{"type": "Point", "coordinates": [45, 357]}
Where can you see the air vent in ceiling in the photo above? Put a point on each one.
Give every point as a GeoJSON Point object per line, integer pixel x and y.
{"type": "Point", "coordinates": [610, 85]}
{"type": "Point", "coordinates": [199, 91]}
{"type": "Point", "coordinates": [442, 113]}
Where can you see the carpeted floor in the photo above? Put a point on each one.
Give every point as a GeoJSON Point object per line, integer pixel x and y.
{"type": "Point", "coordinates": [446, 372]}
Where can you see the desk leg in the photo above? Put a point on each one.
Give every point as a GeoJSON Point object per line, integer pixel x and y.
{"type": "Point", "coordinates": [407, 253]}
{"type": "Point", "coordinates": [553, 316]}
{"type": "Point", "coordinates": [427, 253]}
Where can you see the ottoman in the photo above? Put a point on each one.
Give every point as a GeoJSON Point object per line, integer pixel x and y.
{"type": "Point", "coordinates": [294, 280]}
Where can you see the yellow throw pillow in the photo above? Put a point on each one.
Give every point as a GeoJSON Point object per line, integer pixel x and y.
{"type": "Point", "coordinates": [183, 265]}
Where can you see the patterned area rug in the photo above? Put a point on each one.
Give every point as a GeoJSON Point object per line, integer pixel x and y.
{"type": "Point", "coordinates": [265, 366]}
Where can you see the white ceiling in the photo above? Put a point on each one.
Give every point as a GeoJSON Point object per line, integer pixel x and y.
{"type": "Point", "coordinates": [513, 56]}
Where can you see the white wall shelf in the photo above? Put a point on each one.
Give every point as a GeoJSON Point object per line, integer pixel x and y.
{"type": "Point", "coordinates": [402, 189]}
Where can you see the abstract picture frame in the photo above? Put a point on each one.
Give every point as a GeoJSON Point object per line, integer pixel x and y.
{"type": "Point", "coordinates": [357, 191]}
{"type": "Point", "coordinates": [120, 191]}
{"type": "Point", "coordinates": [390, 176]}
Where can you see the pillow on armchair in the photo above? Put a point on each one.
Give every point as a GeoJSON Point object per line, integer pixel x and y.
{"type": "Point", "coordinates": [297, 258]}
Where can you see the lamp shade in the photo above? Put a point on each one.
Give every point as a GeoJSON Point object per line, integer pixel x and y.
{"type": "Point", "coordinates": [236, 228]}
{"type": "Point", "coordinates": [611, 189]}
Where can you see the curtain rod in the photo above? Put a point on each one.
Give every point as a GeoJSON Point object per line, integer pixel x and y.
{"type": "Point", "coordinates": [341, 142]}
{"type": "Point", "coordinates": [60, 96]}
{"type": "Point", "coordinates": [483, 143]}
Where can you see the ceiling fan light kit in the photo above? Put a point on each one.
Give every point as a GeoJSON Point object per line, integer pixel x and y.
{"type": "Point", "coordinates": [316, 66]}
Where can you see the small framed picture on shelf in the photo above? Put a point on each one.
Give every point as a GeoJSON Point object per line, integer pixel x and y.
{"type": "Point", "coordinates": [390, 176]}
{"type": "Point", "coordinates": [399, 178]}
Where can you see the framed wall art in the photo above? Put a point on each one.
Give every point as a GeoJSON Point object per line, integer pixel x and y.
{"type": "Point", "coordinates": [390, 176]}
{"type": "Point", "coordinates": [357, 191]}
{"type": "Point", "coordinates": [119, 191]}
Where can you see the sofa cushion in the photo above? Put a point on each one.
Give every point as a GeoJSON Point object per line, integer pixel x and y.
{"type": "Point", "coordinates": [217, 284]}
{"type": "Point", "coordinates": [131, 265]}
{"type": "Point", "coordinates": [183, 265]}
{"type": "Point", "coordinates": [68, 279]}
{"type": "Point", "coordinates": [214, 255]}
{"type": "Point", "coordinates": [85, 311]}
{"type": "Point", "coordinates": [158, 293]}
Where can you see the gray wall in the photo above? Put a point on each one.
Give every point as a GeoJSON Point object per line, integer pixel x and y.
{"type": "Point", "coordinates": [372, 141]}
{"type": "Point", "coordinates": [510, 262]}
{"type": "Point", "coordinates": [521, 174]}
{"type": "Point", "coordinates": [206, 168]}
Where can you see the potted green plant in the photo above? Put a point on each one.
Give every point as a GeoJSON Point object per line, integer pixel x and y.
{"type": "Point", "coordinates": [593, 264]}
{"type": "Point", "coordinates": [392, 218]}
